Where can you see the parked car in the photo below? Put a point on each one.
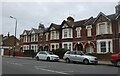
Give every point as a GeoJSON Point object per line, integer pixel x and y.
{"type": "Point", "coordinates": [79, 56]}
{"type": "Point", "coordinates": [115, 59]}
{"type": "Point", "coordinates": [45, 55]}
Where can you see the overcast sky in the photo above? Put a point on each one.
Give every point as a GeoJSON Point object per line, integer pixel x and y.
{"type": "Point", "coordinates": [30, 14]}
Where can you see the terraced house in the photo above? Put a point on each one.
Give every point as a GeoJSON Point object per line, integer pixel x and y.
{"type": "Point", "coordinates": [98, 35]}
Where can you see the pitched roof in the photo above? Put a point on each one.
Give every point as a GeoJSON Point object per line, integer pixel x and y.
{"type": "Point", "coordinates": [27, 32]}
{"type": "Point", "coordinates": [55, 26]}
{"type": "Point", "coordinates": [46, 29]}
{"type": "Point", "coordinates": [79, 23]}
{"type": "Point", "coordinates": [38, 30]}
{"type": "Point", "coordinates": [102, 15]}
{"type": "Point", "coordinates": [112, 16]}
{"type": "Point", "coordinates": [89, 21]}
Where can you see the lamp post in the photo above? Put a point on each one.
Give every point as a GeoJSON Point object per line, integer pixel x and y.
{"type": "Point", "coordinates": [15, 34]}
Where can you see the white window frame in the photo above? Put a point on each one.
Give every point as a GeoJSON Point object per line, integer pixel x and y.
{"type": "Point", "coordinates": [36, 37]}
{"type": "Point", "coordinates": [107, 45]}
{"type": "Point", "coordinates": [105, 28]}
{"type": "Point", "coordinates": [52, 35]}
{"type": "Point", "coordinates": [69, 33]}
{"type": "Point", "coordinates": [33, 37]}
{"type": "Point", "coordinates": [69, 45]}
{"type": "Point", "coordinates": [35, 47]}
{"type": "Point", "coordinates": [78, 30]}
{"type": "Point", "coordinates": [46, 34]}
{"type": "Point", "coordinates": [89, 30]}
{"type": "Point", "coordinates": [56, 46]}
{"type": "Point", "coordinates": [57, 34]}
{"type": "Point", "coordinates": [25, 47]}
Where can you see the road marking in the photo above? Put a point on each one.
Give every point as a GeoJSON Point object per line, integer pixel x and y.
{"type": "Point", "coordinates": [53, 71]}
{"type": "Point", "coordinates": [43, 68]}
{"type": "Point", "coordinates": [17, 64]}
{"type": "Point", "coordinates": [14, 63]}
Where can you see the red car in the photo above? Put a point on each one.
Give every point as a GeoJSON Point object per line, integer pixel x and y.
{"type": "Point", "coordinates": [115, 59]}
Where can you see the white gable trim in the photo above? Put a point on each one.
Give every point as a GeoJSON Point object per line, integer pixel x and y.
{"type": "Point", "coordinates": [102, 15]}
{"type": "Point", "coordinates": [52, 28]}
{"type": "Point", "coordinates": [32, 32]}
{"type": "Point", "coordinates": [65, 26]}
{"type": "Point", "coordinates": [24, 33]}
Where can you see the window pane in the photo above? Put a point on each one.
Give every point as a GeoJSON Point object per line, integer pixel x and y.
{"type": "Point", "coordinates": [109, 44]}
{"type": "Point", "coordinates": [103, 46]}
{"type": "Point", "coordinates": [65, 46]}
{"type": "Point", "coordinates": [78, 30]}
{"type": "Point", "coordinates": [69, 46]}
{"type": "Point", "coordinates": [69, 32]}
{"type": "Point", "coordinates": [65, 33]}
{"type": "Point", "coordinates": [102, 28]}
{"type": "Point", "coordinates": [89, 31]}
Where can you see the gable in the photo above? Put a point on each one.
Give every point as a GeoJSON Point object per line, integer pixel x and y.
{"type": "Point", "coordinates": [52, 28]}
{"type": "Point", "coordinates": [101, 19]}
{"type": "Point", "coordinates": [32, 31]}
{"type": "Point", "coordinates": [65, 26]}
{"type": "Point", "coordinates": [24, 33]}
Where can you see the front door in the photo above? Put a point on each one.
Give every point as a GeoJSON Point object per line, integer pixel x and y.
{"type": "Point", "coordinates": [79, 47]}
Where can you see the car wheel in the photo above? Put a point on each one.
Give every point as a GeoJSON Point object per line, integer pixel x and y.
{"type": "Point", "coordinates": [48, 58]}
{"type": "Point", "coordinates": [118, 63]}
{"type": "Point", "coordinates": [86, 61]}
{"type": "Point", "coordinates": [67, 60]}
{"type": "Point", "coordinates": [37, 58]}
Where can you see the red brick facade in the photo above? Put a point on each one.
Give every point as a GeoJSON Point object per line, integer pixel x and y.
{"type": "Point", "coordinates": [100, 35]}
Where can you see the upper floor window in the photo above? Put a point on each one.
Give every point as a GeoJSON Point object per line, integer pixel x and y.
{"type": "Point", "coordinates": [57, 34]}
{"type": "Point", "coordinates": [46, 35]}
{"type": "Point", "coordinates": [104, 28]}
{"type": "Point", "coordinates": [25, 39]}
{"type": "Point", "coordinates": [34, 37]}
{"type": "Point", "coordinates": [67, 33]}
{"type": "Point", "coordinates": [54, 35]}
{"type": "Point", "coordinates": [89, 30]}
{"type": "Point", "coordinates": [78, 30]}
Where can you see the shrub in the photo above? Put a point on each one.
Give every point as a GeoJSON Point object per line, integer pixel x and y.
{"type": "Point", "coordinates": [60, 52]}
{"type": "Point", "coordinates": [28, 53]}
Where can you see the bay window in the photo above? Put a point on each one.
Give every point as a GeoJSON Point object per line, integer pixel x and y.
{"type": "Point", "coordinates": [67, 33]}
{"type": "Point", "coordinates": [104, 46]}
{"type": "Point", "coordinates": [104, 28]}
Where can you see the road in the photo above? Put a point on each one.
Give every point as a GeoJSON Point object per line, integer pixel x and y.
{"type": "Point", "coordinates": [24, 66]}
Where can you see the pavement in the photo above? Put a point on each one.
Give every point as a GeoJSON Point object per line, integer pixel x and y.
{"type": "Point", "coordinates": [100, 62]}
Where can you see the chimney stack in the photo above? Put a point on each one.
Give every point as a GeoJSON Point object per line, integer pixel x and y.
{"type": "Point", "coordinates": [8, 34]}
